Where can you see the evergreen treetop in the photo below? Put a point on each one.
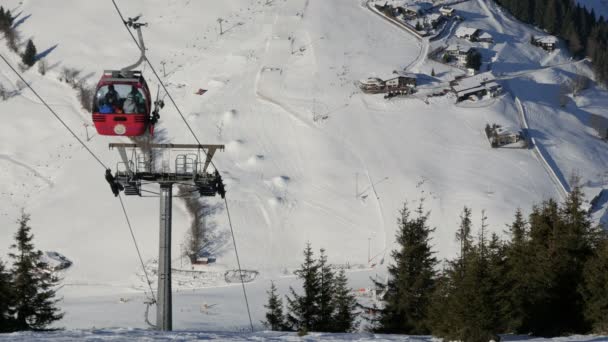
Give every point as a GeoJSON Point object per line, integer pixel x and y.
{"type": "Point", "coordinates": [29, 56]}
{"type": "Point", "coordinates": [411, 277]}
{"type": "Point", "coordinates": [304, 309]}
{"type": "Point", "coordinates": [345, 303]}
{"type": "Point", "coordinates": [35, 305]}
{"type": "Point", "coordinates": [274, 316]}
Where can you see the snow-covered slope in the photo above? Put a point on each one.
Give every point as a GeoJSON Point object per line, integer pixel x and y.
{"type": "Point", "coordinates": [308, 157]}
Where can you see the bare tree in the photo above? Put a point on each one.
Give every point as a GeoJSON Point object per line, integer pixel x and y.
{"type": "Point", "coordinates": [3, 92]}
{"type": "Point", "coordinates": [220, 21]}
{"type": "Point", "coordinates": [579, 83]}
{"type": "Point", "coordinates": [564, 90]}
{"type": "Point", "coordinates": [42, 66]}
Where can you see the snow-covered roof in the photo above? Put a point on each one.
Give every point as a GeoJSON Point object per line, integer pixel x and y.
{"type": "Point", "coordinates": [466, 91]}
{"type": "Point", "coordinates": [476, 81]}
{"type": "Point", "coordinates": [547, 39]}
{"type": "Point", "coordinates": [434, 16]}
{"type": "Point", "coordinates": [446, 9]}
{"type": "Point", "coordinates": [506, 131]}
{"type": "Point", "coordinates": [419, 6]}
{"type": "Point", "coordinates": [458, 48]}
{"type": "Point", "coordinates": [485, 35]}
{"type": "Point", "coordinates": [404, 73]}
{"type": "Point", "coordinates": [492, 85]}
{"type": "Point", "coordinates": [465, 31]}
{"type": "Point", "coordinates": [371, 81]}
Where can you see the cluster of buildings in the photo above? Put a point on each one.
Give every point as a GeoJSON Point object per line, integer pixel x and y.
{"type": "Point", "coordinates": [420, 12]}
{"type": "Point", "coordinates": [398, 83]}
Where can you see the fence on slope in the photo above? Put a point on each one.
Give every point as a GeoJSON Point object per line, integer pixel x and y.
{"type": "Point", "coordinates": [540, 153]}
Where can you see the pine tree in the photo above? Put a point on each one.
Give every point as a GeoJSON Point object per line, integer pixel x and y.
{"type": "Point", "coordinates": [29, 56]}
{"type": "Point", "coordinates": [433, 72]}
{"type": "Point", "coordinates": [595, 290]}
{"type": "Point", "coordinates": [411, 282]}
{"type": "Point", "coordinates": [463, 235]}
{"type": "Point", "coordinates": [466, 298]}
{"type": "Point", "coordinates": [517, 305]}
{"type": "Point", "coordinates": [6, 300]}
{"type": "Point", "coordinates": [35, 305]}
{"type": "Point", "coordinates": [562, 240]}
{"type": "Point", "coordinates": [274, 314]}
{"type": "Point", "coordinates": [325, 303]}
{"type": "Point", "coordinates": [345, 302]}
{"type": "Point", "coordinates": [304, 309]}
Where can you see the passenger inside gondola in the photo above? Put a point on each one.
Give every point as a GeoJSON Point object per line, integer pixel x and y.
{"type": "Point", "coordinates": [119, 99]}
{"type": "Point", "coordinates": [134, 102]}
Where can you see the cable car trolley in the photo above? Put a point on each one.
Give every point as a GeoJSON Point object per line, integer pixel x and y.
{"type": "Point", "coordinates": [123, 104]}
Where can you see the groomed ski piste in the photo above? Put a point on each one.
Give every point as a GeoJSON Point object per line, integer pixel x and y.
{"type": "Point", "coordinates": [309, 157]}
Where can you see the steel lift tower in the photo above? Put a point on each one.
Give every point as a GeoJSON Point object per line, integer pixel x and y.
{"type": "Point", "coordinates": [148, 164]}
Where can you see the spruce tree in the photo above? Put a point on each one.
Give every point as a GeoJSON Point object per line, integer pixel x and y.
{"type": "Point", "coordinates": [517, 284]}
{"type": "Point", "coordinates": [35, 305]}
{"type": "Point", "coordinates": [562, 240]}
{"type": "Point", "coordinates": [411, 277]}
{"type": "Point", "coordinates": [325, 303]}
{"type": "Point", "coordinates": [274, 314]}
{"type": "Point", "coordinates": [304, 309]}
{"type": "Point", "coordinates": [29, 56]}
{"type": "Point", "coordinates": [345, 303]}
{"type": "Point", "coordinates": [466, 297]}
{"type": "Point", "coordinates": [6, 300]}
{"type": "Point", "coordinates": [595, 290]}
{"type": "Point", "coordinates": [463, 234]}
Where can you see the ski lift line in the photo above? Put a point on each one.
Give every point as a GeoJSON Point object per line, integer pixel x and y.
{"type": "Point", "coordinates": [53, 112]}
{"type": "Point", "coordinates": [155, 73]}
{"type": "Point", "coordinates": [198, 141]}
{"type": "Point", "coordinates": [238, 263]}
{"type": "Point", "coordinates": [137, 248]}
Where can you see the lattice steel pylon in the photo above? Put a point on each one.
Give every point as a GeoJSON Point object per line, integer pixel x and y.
{"type": "Point", "coordinates": [166, 165]}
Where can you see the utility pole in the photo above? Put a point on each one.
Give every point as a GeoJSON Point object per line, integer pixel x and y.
{"type": "Point", "coordinates": [369, 249]}
{"type": "Point", "coordinates": [188, 168]}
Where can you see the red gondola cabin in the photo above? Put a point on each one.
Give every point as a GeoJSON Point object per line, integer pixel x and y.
{"type": "Point", "coordinates": [122, 104]}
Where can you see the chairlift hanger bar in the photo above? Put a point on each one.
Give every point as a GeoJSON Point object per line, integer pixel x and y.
{"type": "Point", "coordinates": [184, 146]}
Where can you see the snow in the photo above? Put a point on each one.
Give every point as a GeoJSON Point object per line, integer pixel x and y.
{"type": "Point", "coordinates": [148, 335]}
{"type": "Point", "coordinates": [547, 39]}
{"type": "Point", "coordinates": [465, 32]}
{"type": "Point", "coordinates": [309, 158]}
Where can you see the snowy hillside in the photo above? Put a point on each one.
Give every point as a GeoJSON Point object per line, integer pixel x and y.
{"type": "Point", "coordinates": [308, 156]}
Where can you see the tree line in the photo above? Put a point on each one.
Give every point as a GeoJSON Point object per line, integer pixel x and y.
{"type": "Point", "coordinates": [548, 278]}
{"type": "Point", "coordinates": [7, 20]}
{"type": "Point", "coordinates": [28, 288]}
{"type": "Point", "coordinates": [585, 33]}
